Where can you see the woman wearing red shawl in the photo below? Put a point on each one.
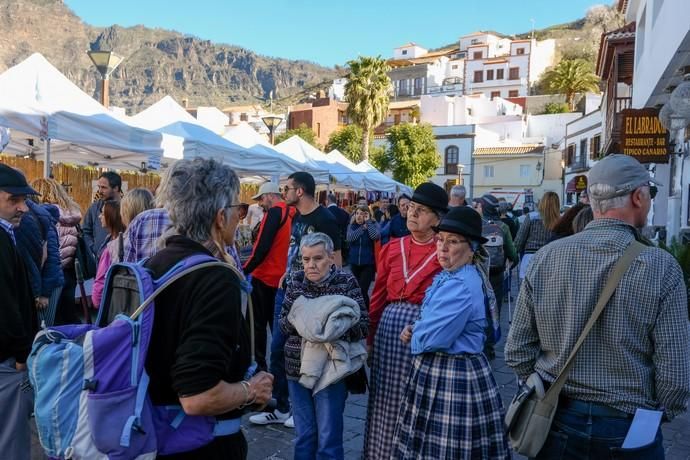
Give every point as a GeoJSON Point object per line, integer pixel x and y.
{"type": "Point", "coordinates": [406, 269]}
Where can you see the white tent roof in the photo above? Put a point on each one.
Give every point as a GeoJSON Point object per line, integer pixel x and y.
{"type": "Point", "coordinates": [36, 99]}
{"type": "Point", "coordinates": [244, 135]}
{"type": "Point", "coordinates": [300, 150]}
{"type": "Point", "coordinates": [168, 117]}
{"type": "Point", "coordinates": [382, 180]}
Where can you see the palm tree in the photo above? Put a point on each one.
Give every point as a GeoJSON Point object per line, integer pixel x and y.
{"type": "Point", "coordinates": [570, 77]}
{"type": "Point", "coordinates": [367, 93]}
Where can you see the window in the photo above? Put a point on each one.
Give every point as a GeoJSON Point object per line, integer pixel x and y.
{"type": "Point", "coordinates": [318, 129]}
{"type": "Point", "coordinates": [499, 74]}
{"type": "Point", "coordinates": [244, 117]}
{"type": "Point", "coordinates": [513, 93]}
{"type": "Point", "coordinates": [477, 55]}
{"type": "Point", "coordinates": [570, 155]}
{"type": "Point", "coordinates": [402, 88]}
{"type": "Point", "coordinates": [524, 170]}
{"type": "Point", "coordinates": [520, 51]}
{"type": "Point", "coordinates": [452, 156]}
{"type": "Point", "coordinates": [490, 74]}
{"type": "Point", "coordinates": [583, 152]}
{"type": "Point", "coordinates": [514, 73]}
{"type": "Point", "coordinates": [404, 52]}
{"type": "Point", "coordinates": [488, 171]}
{"type": "Point", "coordinates": [475, 41]}
{"type": "Point", "coordinates": [495, 94]}
{"type": "Point", "coordinates": [418, 85]}
{"type": "Point", "coordinates": [454, 67]}
{"type": "Point", "coordinates": [595, 147]}
{"type": "Point", "coordinates": [478, 76]}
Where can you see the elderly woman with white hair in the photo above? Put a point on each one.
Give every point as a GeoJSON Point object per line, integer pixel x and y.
{"type": "Point", "coordinates": [199, 354]}
{"type": "Point", "coordinates": [325, 320]}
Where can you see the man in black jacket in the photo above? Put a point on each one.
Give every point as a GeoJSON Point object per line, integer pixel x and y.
{"type": "Point", "coordinates": [109, 188]}
{"type": "Point", "coordinates": [17, 320]}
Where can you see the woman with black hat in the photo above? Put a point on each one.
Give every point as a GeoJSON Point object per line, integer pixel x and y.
{"type": "Point", "coordinates": [451, 407]}
{"type": "Point", "coordinates": [405, 270]}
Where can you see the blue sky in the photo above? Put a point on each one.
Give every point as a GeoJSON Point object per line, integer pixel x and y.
{"type": "Point", "coordinates": [331, 33]}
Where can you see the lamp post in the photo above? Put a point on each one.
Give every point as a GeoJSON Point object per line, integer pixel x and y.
{"type": "Point", "coordinates": [272, 122]}
{"type": "Point", "coordinates": [461, 168]}
{"type": "Point", "coordinates": [105, 62]}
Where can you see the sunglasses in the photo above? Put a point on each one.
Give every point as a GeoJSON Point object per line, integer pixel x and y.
{"type": "Point", "coordinates": [653, 190]}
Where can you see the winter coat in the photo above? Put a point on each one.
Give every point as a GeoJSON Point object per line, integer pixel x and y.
{"type": "Point", "coordinates": [326, 357]}
{"type": "Point", "coordinates": [361, 242]}
{"type": "Point", "coordinates": [38, 226]}
{"type": "Point", "coordinates": [67, 233]}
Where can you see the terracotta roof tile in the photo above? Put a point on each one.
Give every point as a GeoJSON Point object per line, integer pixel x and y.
{"type": "Point", "coordinates": [510, 150]}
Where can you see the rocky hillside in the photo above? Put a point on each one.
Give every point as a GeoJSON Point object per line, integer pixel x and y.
{"type": "Point", "coordinates": [157, 62]}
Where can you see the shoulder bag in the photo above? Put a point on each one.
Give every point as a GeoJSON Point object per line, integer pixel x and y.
{"type": "Point", "coordinates": [530, 413]}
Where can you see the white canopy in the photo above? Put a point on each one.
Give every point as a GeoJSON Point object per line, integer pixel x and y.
{"type": "Point", "coordinates": [300, 150]}
{"type": "Point", "coordinates": [245, 136]}
{"type": "Point", "coordinates": [37, 100]}
{"type": "Point", "coordinates": [168, 117]}
{"type": "Point", "coordinates": [386, 183]}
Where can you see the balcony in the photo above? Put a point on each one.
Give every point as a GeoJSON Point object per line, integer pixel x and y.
{"type": "Point", "coordinates": [579, 165]}
{"type": "Point", "coordinates": [455, 88]}
{"type": "Point", "coordinates": [614, 121]}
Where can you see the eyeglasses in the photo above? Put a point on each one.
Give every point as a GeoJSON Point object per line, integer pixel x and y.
{"type": "Point", "coordinates": [413, 208]}
{"type": "Point", "coordinates": [288, 188]}
{"type": "Point", "coordinates": [452, 241]}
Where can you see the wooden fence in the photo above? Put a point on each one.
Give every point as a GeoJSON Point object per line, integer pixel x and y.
{"type": "Point", "coordinates": [78, 180]}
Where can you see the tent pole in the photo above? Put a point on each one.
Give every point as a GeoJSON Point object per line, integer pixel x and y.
{"type": "Point", "coordinates": [46, 159]}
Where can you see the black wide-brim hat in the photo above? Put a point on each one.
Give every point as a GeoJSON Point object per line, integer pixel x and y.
{"type": "Point", "coordinates": [431, 195]}
{"type": "Point", "coordinates": [464, 221]}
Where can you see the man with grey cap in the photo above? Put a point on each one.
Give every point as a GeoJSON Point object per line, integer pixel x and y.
{"type": "Point", "coordinates": [268, 260]}
{"type": "Point", "coordinates": [457, 196]}
{"type": "Point", "coordinates": [636, 354]}
{"type": "Point", "coordinates": [17, 319]}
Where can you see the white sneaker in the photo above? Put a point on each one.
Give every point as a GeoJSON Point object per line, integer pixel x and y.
{"type": "Point", "coordinates": [269, 418]}
{"type": "Point", "coordinates": [290, 422]}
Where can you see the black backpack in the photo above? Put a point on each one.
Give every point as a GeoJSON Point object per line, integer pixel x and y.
{"type": "Point", "coordinates": [494, 246]}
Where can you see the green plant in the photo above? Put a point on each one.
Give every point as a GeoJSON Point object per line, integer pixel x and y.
{"type": "Point", "coordinates": [681, 252]}
{"type": "Point", "coordinates": [366, 92]}
{"type": "Point", "coordinates": [348, 141]}
{"type": "Point", "coordinates": [412, 154]}
{"type": "Point", "coordinates": [556, 107]}
{"type": "Point", "coordinates": [570, 77]}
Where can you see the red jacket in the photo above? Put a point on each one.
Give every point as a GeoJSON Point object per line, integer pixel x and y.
{"type": "Point", "coordinates": [268, 261]}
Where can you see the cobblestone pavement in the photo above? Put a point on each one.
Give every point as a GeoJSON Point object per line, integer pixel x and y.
{"type": "Point", "coordinates": [275, 442]}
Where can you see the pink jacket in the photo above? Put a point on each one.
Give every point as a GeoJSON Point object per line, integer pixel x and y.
{"type": "Point", "coordinates": [67, 233]}
{"type": "Point", "coordinates": [108, 257]}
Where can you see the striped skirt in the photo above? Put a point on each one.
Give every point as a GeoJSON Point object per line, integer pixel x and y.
{"type": "Point", "coordinates": [390, 367]}
{"type": "Point", "coordinates": [451, 410]}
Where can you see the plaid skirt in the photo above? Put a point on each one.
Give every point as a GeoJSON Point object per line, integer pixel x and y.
{"type": "Point", "coordinates": [451, 410]}
{"type": "Point", "coordinates": [390, 368]}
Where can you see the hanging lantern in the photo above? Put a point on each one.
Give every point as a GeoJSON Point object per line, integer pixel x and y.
{"type": "Point", "coordinates": [680, 100]}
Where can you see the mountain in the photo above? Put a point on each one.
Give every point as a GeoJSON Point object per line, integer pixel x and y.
{"type": "Point", "coordinates": [157, 62]}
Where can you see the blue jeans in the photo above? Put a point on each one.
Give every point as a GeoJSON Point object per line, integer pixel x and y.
{"type": "Point", "coordinates": [277, 367]}
{"type": "Point", "coordinates": [318, 421]}
{"type": "Point", "coordinates": [588, 431]}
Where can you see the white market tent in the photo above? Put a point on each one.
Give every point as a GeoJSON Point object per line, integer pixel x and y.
{"type": "Point", "coordinates": [376, 175]}
{"type": "Point", "coordinates": [168, 117]}
{"type": "Point", "coordinates": [244, 135]}
{"type": "Point", "coordinates": [37, 101]}
{"type": "Point", "coordinates": [300, 150]}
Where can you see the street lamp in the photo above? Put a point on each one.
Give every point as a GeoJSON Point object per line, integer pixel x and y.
{"type": "Point", "coordinates": [272, 122]}
{"type": "Point", "coordinates": [105, 62]}
{"type": "Point", "coordinates": [461, 168]}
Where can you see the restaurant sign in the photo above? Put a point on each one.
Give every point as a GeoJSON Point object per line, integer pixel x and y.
{"type": "Point", "coordinates": [643, 137]}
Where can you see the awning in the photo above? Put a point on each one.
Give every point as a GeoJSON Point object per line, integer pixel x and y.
{"type": "Point", "coordinates": [577, 184]}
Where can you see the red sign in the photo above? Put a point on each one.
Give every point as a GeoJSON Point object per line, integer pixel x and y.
{"type": "Point", "coordinates": [643, 137]}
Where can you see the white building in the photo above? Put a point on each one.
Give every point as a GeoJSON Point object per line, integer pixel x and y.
{"type": "Point", "coordinates": [443, 110]}
{"type": "Point", "coordinates": [337, 89]}
{"type": "Point", "coordinates": [582, 149]}
{"type": "Point", "coordinates": [662, 64]}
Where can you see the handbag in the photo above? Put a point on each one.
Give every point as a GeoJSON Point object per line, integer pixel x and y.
{"type": "Point", "coordinates": [86, 257]}
{"type": "Point", "coordinates": [530, 413]}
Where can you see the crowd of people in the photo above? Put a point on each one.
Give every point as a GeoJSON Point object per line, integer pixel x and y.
{"type": "Point", "coordinates": [403, 297]}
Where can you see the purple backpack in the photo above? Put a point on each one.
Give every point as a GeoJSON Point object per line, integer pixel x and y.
{"type": "Point", "coordinates": [90, 384]}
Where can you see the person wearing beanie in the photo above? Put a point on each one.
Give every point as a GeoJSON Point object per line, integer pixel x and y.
{"type": "Point", "coordinates": [448, 364]}
{"type": "Point", "coordinates": [493, 228]}
{"type": "Point", "coordinates": [406, 269]}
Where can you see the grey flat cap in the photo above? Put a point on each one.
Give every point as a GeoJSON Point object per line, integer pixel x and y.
{"type": "Point", "coordinates": [622, 172]}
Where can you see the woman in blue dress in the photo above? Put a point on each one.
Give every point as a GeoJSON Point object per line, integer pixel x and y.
{"type": "Point", "coordinates": [452, 408]}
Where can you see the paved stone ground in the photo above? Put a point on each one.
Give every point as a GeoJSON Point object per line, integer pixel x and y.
{"type": "Point", "coordinates": [275, 442]}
